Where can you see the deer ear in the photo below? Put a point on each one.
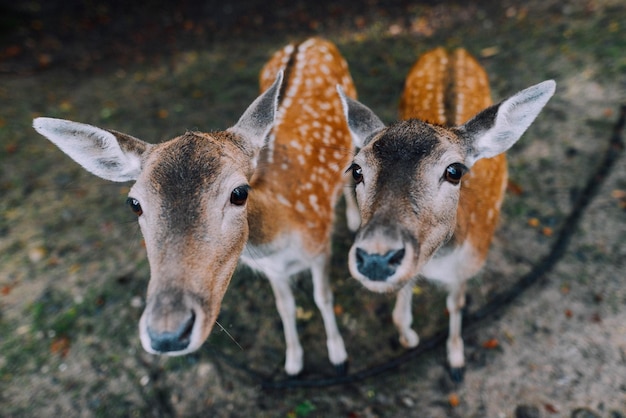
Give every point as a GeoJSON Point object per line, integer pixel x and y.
{"type": "Point", "coordinates": [257, 121]}
{"type": "Point", "coordinates": [107, 154]}
{"type": "Point", "coordinates": [497, 128]}
{"type": "Point", "coordinates": [363, 123]}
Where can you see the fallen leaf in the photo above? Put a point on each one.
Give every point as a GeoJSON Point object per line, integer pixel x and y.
{"type": "Point", "coordinates": [551, 408]}
{"type": "Point", "coordinates": [534, 222]}
{"type": "Point", "coordinates": [11, 148]}
{"type": "Point", "coordinates": [620, 195]}
{"type": "Point", "coordinates": [568, 313]}
{"type": "Point", "coordinates": [338, 310]}
{"type": "Point", "coordinates": [547, 231]}
{"type": "Point", "coordinates": [6, 289]}
{"type": "Point", "coordinates": [60, 346]}
{"type": "Point", "coordinates": [303, 314]}
{"type": "Point", "coordinates": [13, 50]}
{"type": "Point", "coordinates": [514, 188]}
{"type": "Point", "coordinates": [491, 344]}
{"type": "Point", "coordinates": [490, 51]}
{"type": "Point", "coordinates": [453, 400]}
{"type": "Point", "coordinates": [37, 254]}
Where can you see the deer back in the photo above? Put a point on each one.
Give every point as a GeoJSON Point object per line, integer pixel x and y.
{"type": "Point", "coordinates": [298, 180]}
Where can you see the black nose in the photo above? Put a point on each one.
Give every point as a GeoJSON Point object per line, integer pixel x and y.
{"type": "Point", "coordinates": [378, 267]}
{"type": "Point", "coordinates": [177, 340]}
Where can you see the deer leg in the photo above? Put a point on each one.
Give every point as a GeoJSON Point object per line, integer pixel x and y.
{"type": "Point", "coordinates": [456, 359]}
{"type": "Point", "coordinates": [403, 317]}
{"type": "Point", "coordinates": [353, 216]}
{"type": "Point", "coordinates": [323, 296]}
{"type": "Point", "coordinates": [286, 306]}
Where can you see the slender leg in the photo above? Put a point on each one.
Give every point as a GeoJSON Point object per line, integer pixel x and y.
{"type": "Point", "coordinates": [324, 299]}
{"type": "Point", "coordinates": [403, 317]}
{"type": "Point", "coordinates": [286, 306]}
{"type": "Point", "coordinates": [353, 217]}
{"type": "Point", "coordinates": [455, 303]}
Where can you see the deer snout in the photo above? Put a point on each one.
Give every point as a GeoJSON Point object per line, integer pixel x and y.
{"type": "Point", "coordinates": [171, 324]}
{"type": "Point", "coordinates": [378, 267]}
{"type": "Point", "coordinates": [178, 339]}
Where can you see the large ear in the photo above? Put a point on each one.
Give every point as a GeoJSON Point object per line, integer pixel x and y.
{"type": "Point", "coordinates": [497, 128]}
{"type": "Point", "coordinates": [363, 123]}
{"type": "Point", "coordinates": [111, 155]}
{"type": "Point", "coordinates": [257, 121]}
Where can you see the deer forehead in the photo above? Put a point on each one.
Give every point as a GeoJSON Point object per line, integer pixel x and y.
{"type": "Point", "coordinates": [187, 176]}
{"type": "Point", "coordinates": [412, 149]}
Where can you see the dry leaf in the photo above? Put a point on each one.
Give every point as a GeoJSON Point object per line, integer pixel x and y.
{"type": "Point", "coordinates": [60, 346]}
{"type": "Point", "coordinates": [491, 344]}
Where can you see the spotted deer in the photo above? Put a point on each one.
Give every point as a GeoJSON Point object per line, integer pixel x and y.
{"type": "Point", "coordinates": [263, 190]}
{"type": "Point", "coordinates": [429, 187]}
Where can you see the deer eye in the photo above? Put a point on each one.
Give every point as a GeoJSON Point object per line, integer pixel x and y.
{"type": "Point", "coordinates": [357, 173]}
{"type": "Point", "coordinates": [239, 195]}
{"type": "Point", "coordinates": [134, 206]}
{"type": "Point", "coordinates": [454, 173]}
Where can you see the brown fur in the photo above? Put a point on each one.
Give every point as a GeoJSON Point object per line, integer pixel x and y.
{"type": "Point", "coordinates": [449, 89]}
{"type": "Point", "coordinates": [296, 186]}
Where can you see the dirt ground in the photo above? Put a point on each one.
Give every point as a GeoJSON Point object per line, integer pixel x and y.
{"type": "Point", "coordinates": [73, 271]}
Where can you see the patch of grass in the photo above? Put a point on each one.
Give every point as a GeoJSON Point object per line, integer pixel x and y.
{"type": "Point", "coordinates": [21, 353]}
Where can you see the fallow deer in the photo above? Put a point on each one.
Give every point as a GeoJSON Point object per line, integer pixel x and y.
{"type": "Point", "coordinates": [264, 189]}
{"type": "Point", "coordinates": [429, 187]}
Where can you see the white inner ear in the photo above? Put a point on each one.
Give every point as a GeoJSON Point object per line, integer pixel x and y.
{"type": "Point", "coordinates": [95, 149]}
{"type": "Point", "coordinates": [362, 121]}
{"type": "Point", "coordinates": [513, 117]}
{"type": "Point", "coordinates": [258, 120]}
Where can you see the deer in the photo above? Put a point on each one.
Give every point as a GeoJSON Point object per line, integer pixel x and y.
{"type": "Point", "coordinates": [429, 187]}
{"type": "Point", "coordinates": [262, 191]}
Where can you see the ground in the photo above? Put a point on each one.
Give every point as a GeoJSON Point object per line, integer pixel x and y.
{"type": "Point", "coordinates": [73, 270]}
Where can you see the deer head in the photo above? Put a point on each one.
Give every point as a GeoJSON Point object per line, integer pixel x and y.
{"type": "Point", "coordinates": [190, 199]}
{"type": "Point", "coordinates": [408, 179]}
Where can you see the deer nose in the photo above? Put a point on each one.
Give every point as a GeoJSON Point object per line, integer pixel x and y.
{"type": "Point", "coordinates": [175, 340]}
{"type": "Point", "coordinates": [378, 267]}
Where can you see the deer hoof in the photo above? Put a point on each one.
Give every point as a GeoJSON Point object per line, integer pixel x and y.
{"type": "Point", "coordinates": [341, 369]}
{"type": "Point", "coordinates": [457, 374]}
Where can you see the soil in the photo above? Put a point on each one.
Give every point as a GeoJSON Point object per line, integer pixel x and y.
{"type": "Point", "coordinates": [73, 271]}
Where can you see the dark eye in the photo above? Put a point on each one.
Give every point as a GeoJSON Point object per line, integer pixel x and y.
{"type": "Point", "coordinates": [454, 173]}
{"type": "Point", "coordinates": [357, 173]}
{"type": "Point", "coordinates": [134, 206]}
{"type": "Point", "coordinates": [239, 195]}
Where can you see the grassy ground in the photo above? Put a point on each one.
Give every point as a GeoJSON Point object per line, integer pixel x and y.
{"type": "Point", "coordinates": [73, 271]}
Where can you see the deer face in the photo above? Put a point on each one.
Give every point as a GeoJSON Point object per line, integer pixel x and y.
{"type": "Point", "coordinates": [408, 181]}
{"type": "Point", "coordinates": [191, 204]}
{"type": "Point", "coordinates": [190, 198]}
{"type": "Point", "coordinates": [407, 184]}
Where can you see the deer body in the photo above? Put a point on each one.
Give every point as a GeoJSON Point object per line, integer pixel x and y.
{"type": "Point", "coordinates": [297, 184]}
{"type": "Point", "coordinates": [264, 189]}
{"type": "Point", "coordinates": [429, 187]}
